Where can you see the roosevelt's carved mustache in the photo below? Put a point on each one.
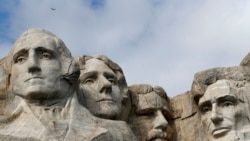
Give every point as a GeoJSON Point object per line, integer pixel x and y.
{"type": "Point", "coordinates": [155, 134]}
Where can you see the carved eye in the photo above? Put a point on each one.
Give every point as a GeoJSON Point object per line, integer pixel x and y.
{"type": "Point", "coordinates": [146, 114]}
{"type": "Point", "coordinates": [46, 55]}
{"type": "Point", "coordinates": [89, 81]}
{"type": "Point", "coordinates": [227, 103]}
{"type": "Point", "coordinates": [20, 59]}
{"type": "Point", "coordinates": [206, 109]}
{"type": "Point", "coordinates": [112, 80]}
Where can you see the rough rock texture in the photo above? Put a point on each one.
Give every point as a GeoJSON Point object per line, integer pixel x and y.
{"type": "Point", "coordinates": [222, 96]}
{"type": "Point", "coordinates": [151, 116]}
{"type": "Point", "coordinates": [48, 95]}
{"type": "Point", "coordinates": [188, 126]}
{"type": "Point", "coordinates": [246, 60]}
{"type": "Point", "coordinates": [39, 95]}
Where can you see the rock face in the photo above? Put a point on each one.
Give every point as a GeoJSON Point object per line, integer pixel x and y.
{"type": "Point", "coordinates": [222, 97]}
{"type": "Point", "coordinates": [48, 95]}
{"type": "Point", "coordinates": [151, 115]}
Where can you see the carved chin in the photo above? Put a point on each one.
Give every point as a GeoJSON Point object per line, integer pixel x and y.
{"type": "Point", "coordinates": [38, 92]}
{"type": "Point", "coordinates": [35, 92]}
{"type": "Point", "coordinates": [108, 112]}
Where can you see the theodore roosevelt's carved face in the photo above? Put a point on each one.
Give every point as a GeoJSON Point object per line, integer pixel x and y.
{"type": "Point", "coordinates": [149, 120]}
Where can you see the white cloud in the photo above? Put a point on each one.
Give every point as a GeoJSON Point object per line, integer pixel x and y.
{"type": "Point", "coordinates": [155, 41]}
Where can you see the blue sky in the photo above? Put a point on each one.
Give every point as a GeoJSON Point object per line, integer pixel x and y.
{"type": "Point", "coordinates": [158, 42]}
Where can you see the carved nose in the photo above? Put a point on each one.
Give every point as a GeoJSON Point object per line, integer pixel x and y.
{"type": "Point", "coordinates": [33, 65]}
{"type": "Point", "coordinates": [160, 121]}
{"type": "Point", "coordinates": [105, 85]}
{"type": "Point", "coordinates": [216, 116]}
{"type": "Point", "coordinates": [33, 68]}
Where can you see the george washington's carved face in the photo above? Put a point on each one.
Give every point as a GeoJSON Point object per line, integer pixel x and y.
{"type": "Point", "coordinates": [36, 69]}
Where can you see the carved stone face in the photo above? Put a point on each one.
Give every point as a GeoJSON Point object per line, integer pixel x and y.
{"type": "Point", "coordinates": [98, 84]}
{"type": "Point", "coordinates": [221, 111]}
{"type": "Point", "coordinates": [149, 123]}
{"type": "Point", "coordinates": [36, 70]}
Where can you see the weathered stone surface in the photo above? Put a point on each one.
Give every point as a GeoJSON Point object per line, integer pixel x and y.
{"type": "Point", "coordinates": [222, 96]}
{"type": "Point", "coordinates": [151, 115]}
{"type": "Point", "coordinates": [102, 87]}
{"type": "Point", "coordinates": [204, 78]}
{"type": "Point", "coordinates": [3, 80]}
{"type": "Point", "coordinates": [187, 124]}
{"type": "Point", "coordinates": [48, 95]}
{"type": "Point", "coordinates": [39, 81]}
{"type": "Point", "coordinates": [246, 60]}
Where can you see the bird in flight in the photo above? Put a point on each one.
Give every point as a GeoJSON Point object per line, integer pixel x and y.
{"type": "Point", "coordinates": [52, 8]}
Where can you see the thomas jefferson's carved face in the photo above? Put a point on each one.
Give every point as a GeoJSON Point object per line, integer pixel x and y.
{"type": "Point", "coordinates": [99, 85]}
{"type": "Point", "coordinates": [221, 111]}
{"type": "Point", "coordinates": [149, 123]}
{"type": "Point", "coordinates": [36, 72]}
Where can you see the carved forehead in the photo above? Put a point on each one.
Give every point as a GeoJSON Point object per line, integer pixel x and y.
{"type": "Point", "coordinates": [43, 37]}
{"type": "Point", "coordinates": [38, 34]}
{"type": "Point", "coordinates": [33, 35]}
{"type": "Point", "coordinates": [149, 97]}
{"type": "Point", "coordinates": [108, 62]}
{"type": "Point", "coordinates": [112, 65]}
{"type": "Point", "coordinates": [218, 90]}
{"type": "Point", "coordinates": [150, 101]}
{"type": "Point", "coordinates": [96, 64]}
{"type": "Point", "coordinates": [240, 75]}
{"type": "Point", "coordinates": [135, 90]}
{"type": "Point", "coordinates": [34, 42]}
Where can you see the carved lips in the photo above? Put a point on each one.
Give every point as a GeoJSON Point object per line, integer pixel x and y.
{"type": "Point", "coordinates": [106, 100]}
{"type": "Point", "coordinates": [220, 131]}
{"type": "Point", "coordinates": [33, 78]}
